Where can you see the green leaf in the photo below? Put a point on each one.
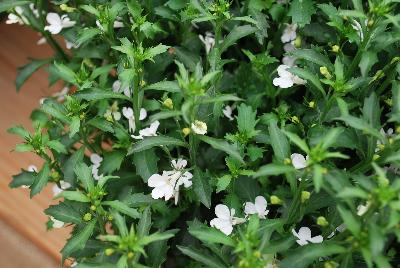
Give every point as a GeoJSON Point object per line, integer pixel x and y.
{"type": "Point", "coordinates": [246, 120]}
{"type": "Point", "coordinates": [220, 98]}
{"type": "Point", "coordinates": [304, 256]}
{"type": "Point", "coordinates": [210, 235]}
{"type": "Point", "coordinates": [157, 237]}
{"type": "Point", "coordinates": [145, 163]}
{"type": "Point", "coordinates": [78, 241]}
{"type": "Point", "coordinates": [313, 56]}
{"type": "Point", "coordinates": [360, 124]}
{"type": "Point", "coordinates": [222, 145]}
{"type": "Point", "coordinates": [279, 142]}
{"type": "Point", "coordinates": [273, 170]}
{"type": "Point", "coordinates": [150, 142]}
{"type": "Point", "coordinates": [41, 180]}
{"type": "Point", "coordinates": [164, 115]}
{"type": "Point", "coordinates": [298, 141]}
{"type": "Point", "coordinates": [74, 196]}
{"type": "Point", "coordinates": [23, 178]}
{"type": "Point", "coordinates": [112, 161]}
{"type": "Point", "coordinates": [301, 11]}
{"type": "Point", "coordinates": [202, 188]}
{"type": "Point", "coordinates": [65, 213]}
{"type": "Point", "coordinates": [86, 35]}
{"type": "Point", "coordinates": [69, 165]}
{"type": "Point", "coordinates": [27, 70]}
{"type": "Point", "coordinates": [6, 5]}
{"type": "Point", "coordinates": [93, 94]}
{"type": "Point", "coordinates": [144, 224]}
{"type": "Point", "coordinates": [121, 207]}
{"type": "Point", "coordinates": [101, 123]}
{"type": "Point", "coordinates": [23, 147]}
{"type": "Point", "coordinates": [57, 146]}
{"type": "Point", "coordinates": [74, 126]}
{"type": "Point", "coordinates": [66, 73]}
{"type": "Point", "coordinates": [20, 131]}
{"type": "Point", "coordinates": [372, 111]}
{"type": "Point", "coordinates": [307, 75]}
{"type": "Point", "coordinates": [351, 222]}
{"type": "Point", "coordinates": [317, 177]}
{"type": "Point", "coordinates": [223, 182]}
{"type": "Point", "coordinates": [237, 33]}
{"type": "Point", "coordinates": [84, 174]}
{"type": "Point", "coordinates": [201, 257]}
{"type": "Point", "coordinates": [168, 86]}
{"type": "Point", "coordinates": [154, 51]}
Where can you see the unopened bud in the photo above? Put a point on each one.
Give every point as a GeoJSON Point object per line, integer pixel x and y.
{"type": "Point", "coordinates": [297, 42]}
{"type": "Point", "coordinates": [186, 131]}
{"type": "Point", "coordinates": [275, 200]}
{"type": "Point", "coordinates": [325, 72]}
{"type": "Point", "coordinates": [109, 251]}
{"type": "Point", "coordinates": [168, 103]}
{"type": "Point", "coordinates": [87, 217]}
{"type": "Point", "coordinates": [305, 195]}
{"type": "Point", "coordinates": [295, 119]}
{"type": "Point", "coordinates": [335, 48]}
{"type": "Point", "coordinates": [321, 221]}
{"type": "Point", "coordinates": [312, 104]}
{"type": "Point", "coordinates": [375, 157]}
{"type": "Point", "coordinates": [66, 8]}
{"type": "Point", "coordinates": [93, 207]}
{"type": "Point", "coordinates": [287, 161]}
{"type": "Point", "coordinates": [130, 255]}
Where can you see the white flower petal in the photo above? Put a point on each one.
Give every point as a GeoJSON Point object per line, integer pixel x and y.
{"type": "Point", "coordinates": [223, 225]}
{"type": "Point", "coordinates": [298, 161]}
{"type": "Point", "coordinates": [222, 212]}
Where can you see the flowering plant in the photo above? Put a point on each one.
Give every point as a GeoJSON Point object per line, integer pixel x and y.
{"type": "Point", "coordinates": [255, 133]}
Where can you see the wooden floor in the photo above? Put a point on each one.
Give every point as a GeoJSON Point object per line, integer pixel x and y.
{"type": "Point", "coordinates": [18, 213]}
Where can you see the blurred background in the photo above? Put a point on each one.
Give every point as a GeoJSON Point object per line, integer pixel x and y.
{"type": "Point", "coordinates": [24, 239]}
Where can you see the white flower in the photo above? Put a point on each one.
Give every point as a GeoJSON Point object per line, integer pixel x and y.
{"type": "Point", "coordinates": [339, 229]}
{"type": "Point", "coordinates": [167, 185]}
{"type": "Point", "coordinates": [18, 17]}
{"type": "Point", "coordinates": [357, 26]}
{"type": "Point", "coordinates": [286, 79]}
{"type": "Point", "coordinates": [289, 34]}
{"type": "Point", "coordinates": [128, 114]}
{"type": "Point", "coordinates": [227, 111]}
{"type": "Point", "coordinates": [74, 264]}
{"type": "Point", "coordinates": [32, 168]}
{"type": "Point", "coordinates": [362, 209]}
{"type": "Point", "coordinates": [113, 112]}
{"type": "Point", "coordinates": [225, 219]}
{"type": "Point", "coordinates": [70, 45]}
{"type": "Point", "coordinates": [57, 23]}
{"type": "Point", "coordinates": [116, 87]}
{"type": "Point", "coordinates": [199, 127]}
{"type": "Point", "coordinates": [96, 162]}
{"type": "Point", "coordinates": [117, 24]}
{"type": "Point", "coordinates": [148, 132]}
{"type": "Point", "coordinates": [304, 236]}
{"type": "Point", "coordinates": [289, 61]}
{"type": "Point", "coordinates": [208, 41]}
{"type": "Point", "coordinates": [299, 161]}
{"type": "Point", "coordinates": [56, 223]}
{"type": "Point", "coordinates": [63, 186]}
{"type": "Point", "coordinates": [61, 94]}
{"type": "Point", "coordinates": [259, 207]}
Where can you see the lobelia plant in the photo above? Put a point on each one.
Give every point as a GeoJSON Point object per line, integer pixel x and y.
{"type": "Point", "coordinates": [218, 133]}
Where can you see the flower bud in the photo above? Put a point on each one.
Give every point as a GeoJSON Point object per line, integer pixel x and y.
{"type": "Point", "coordinates": [321, 221]}
{"type": "Point", "coordinates": [93, 207]}
{"type": "Point", "coordinates": [275, 200]}
{"type": "Point", "coordinates": [312, 104]}
{"type": "Point", "coordinates": [287, 161]}
{"type": "Point", "coordinates": [305, 195]}
{"type": "Point", "coordinates": [335, 48]}
{"type": "Point", "coordinates": [168, 103]}
{"type": "Point", "coordinates": [109, 251]}
{"type": "Point", "coordinates": [130, 255]}
{"type": "Point", "coordinates": [142, 83]}
{"type": "Point", "coordinates": [398, 130]}
{"type": "Point", "coordinates": [110, 217]}
{"type": "Point", "coordinates": [297, 42]}
{"type": "Point", "coordinates": [186, 131]}
{"type": "Point", "coordinates": [66, 8]}
{"type": "Point", "coordinates": [375, 157]}
{"type": "Point", "coordinates": [295, 119]}
{"type": "Point", "coordinates": [87, 217]}
{"type": "Point", "coordinates": [325, 72]}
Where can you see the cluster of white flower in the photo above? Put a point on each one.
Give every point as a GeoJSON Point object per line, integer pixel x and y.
{"type": "Point", "coordinates": [148, 132]}
{"type": "Point", "coordinates": [168, 183]}
{"type": "Point", "coordinates": [225, 219]}
{"type": "Point", "coordinates": [286, 79]}
{"type": "Point", "coordinates": [18, 15]}
{"type": "Point", "coordinates": [96, 162]}
{"type": "Point", "coordinates": [199, 127]}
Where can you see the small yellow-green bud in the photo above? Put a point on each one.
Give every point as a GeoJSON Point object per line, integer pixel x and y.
{"type": "Point", "coordinates": [93, 207]}
{"type": "Point", "coordinates": [335, 48]}
{"type": "Point", "coordinates": [142, 83]}
{"type": "Point", "coordinates": [324, 171]}
{"type": "Point", "coordinates": [312, 104]}
{"type": "Point", "coordinates": [381, 146]}
{"type": "Point", "coordinates": [305, 195]}
{"type": "Point", "coordinates": [130, 255]}
{"type": "Point", "coordinates": [375, 157]}
{"type": "Point", "coordinates": [325, 72]}
{"type": "Point", "coordinates": [186, 131]}
{"type": "Point", "coordinates": [329, 264]}
{"type": "Point", "coordinates": [370, 23]}
{"type": "Point", "coordinates": [287, 161]}
{"type": "Point", "coordinates": [257, 254]}
{"type": "Point", "coordinates": [390, 140]}
{"type": "Point", "coordinates": [295, 119]}
{"type": "Point", "coordinates": [275, 200]}
{"type": "Point", "coordinates": [110, 217]}
{"type": "Point", "coordinates": [55, 175]}
{"type": "Point", "coordinates": [82, 116]}
{"type": "Point", "coordinates": [168, 103]}
{"type": "Point", "coordinates": [297, 42]}
{"type": "Point", "coordinates": [66, 8]}
{"type": "Point", "coordinates": [398, 130]}
{"type": "Point", "coordinates": [87, 217]}
{"type": "Point", "coordinates": [321, 221]}
{"type": "Point", "coordinates": [109, 251]}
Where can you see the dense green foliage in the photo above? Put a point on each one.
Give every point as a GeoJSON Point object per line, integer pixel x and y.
{"type": "Point", "coordinates": [175, 112]}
